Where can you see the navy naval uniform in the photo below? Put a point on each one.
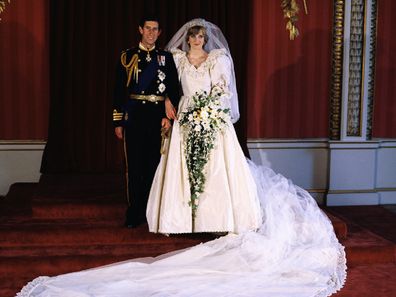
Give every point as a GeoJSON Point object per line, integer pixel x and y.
{"type": "Point", "coordinates": [143, 80]}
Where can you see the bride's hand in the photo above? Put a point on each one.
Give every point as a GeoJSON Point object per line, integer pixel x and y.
{"type": "Point", "coordinates": [170, 110]}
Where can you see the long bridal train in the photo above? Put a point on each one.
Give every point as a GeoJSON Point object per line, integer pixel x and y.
{"type": "Point", "coordinates": [294, 253]}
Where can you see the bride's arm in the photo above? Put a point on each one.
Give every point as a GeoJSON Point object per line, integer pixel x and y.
{"type": "Point", "coordinates": [221, 76]}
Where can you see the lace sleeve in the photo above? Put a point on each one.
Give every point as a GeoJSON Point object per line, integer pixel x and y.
{"type": "Point", "coordinates": [177, 56]}
{"type": "Point", "coordinates": [220, 73]}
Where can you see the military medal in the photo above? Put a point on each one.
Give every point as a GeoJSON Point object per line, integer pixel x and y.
{"type": "Point", "coordinates": [161, 60]}
{"type": "Point", "coordinates": [148, 56]}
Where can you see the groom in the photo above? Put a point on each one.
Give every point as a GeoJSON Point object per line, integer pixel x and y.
{"type": "Point", "coordinates": [146, 85]}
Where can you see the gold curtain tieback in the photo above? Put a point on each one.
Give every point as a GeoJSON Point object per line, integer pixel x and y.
{"type": "Point", "coordinates": [151, 98]}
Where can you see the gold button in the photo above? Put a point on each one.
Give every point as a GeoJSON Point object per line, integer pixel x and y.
{"type": "Point", "coordinates": [156, 102]}
{"type": "Point", "coordinates": [138, 60]}
{"type": "Point", "coordinates": [157, 92]}
{"type": "Point", "coordinates": [144, 102]}
{"type": "Point", "coordinates": [158, 81]}
{"type": "Point", "coordinates": [142, 92]}
{"type": "Point", "coordinates": [138, 51]}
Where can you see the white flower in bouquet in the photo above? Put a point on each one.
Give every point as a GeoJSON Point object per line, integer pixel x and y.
{"type": "Point", "coordinates": [201, 123]}
{"type": "Point", "coordinates": [204, 114]}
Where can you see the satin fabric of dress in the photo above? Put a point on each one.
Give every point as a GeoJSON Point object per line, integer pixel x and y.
{"type": "Point", "coordinates": [285, 246]}
{"type": "Point", "coordinates": [229, 202]}
{"type": "Point", "coordinates": [295, 253]}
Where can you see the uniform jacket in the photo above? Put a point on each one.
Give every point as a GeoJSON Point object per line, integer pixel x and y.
{"type": "Point", "coordinates": [146, 73]}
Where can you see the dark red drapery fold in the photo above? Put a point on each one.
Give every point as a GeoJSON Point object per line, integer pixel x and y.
{"type": "Point", "coordinates": [24, 70]}
{"type": "Point", "coordinates": [384, 119]}
{"type": "Point", "coordinates": [86, 38]}
{"type": "Point", "coordinates": [289, 81]}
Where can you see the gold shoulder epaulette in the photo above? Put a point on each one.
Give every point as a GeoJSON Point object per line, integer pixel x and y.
{"type": "Point", "coordinates": [131, 67]}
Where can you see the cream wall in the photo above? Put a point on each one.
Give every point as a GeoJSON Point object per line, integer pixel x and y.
{"type": "Point", "coordinates": [19, 162]}
{"type": "Point", "coordinates": [335, 173]}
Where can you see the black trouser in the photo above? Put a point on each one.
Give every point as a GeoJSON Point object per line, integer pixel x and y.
{"type": "Point", "coordinates": [143, 142]}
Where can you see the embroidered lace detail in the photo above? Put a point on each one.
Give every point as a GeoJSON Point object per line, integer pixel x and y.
{"type": "Point", "coordinates": [337, 279]}
{"type": "Point", "coordinates": [183, 65]}
{"type": "Point", "coordinates": [219, 232]}
{"type": "Point", "coordinates": [26, 290]}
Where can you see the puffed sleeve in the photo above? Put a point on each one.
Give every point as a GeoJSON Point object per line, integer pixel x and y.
{"type": "Point", "coordinates": [177, 56]}
{"type": "Point", "coordinates": [220, 73]}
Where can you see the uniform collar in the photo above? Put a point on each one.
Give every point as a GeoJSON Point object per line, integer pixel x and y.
{"type": "Point", "coordinates": [142, 47]}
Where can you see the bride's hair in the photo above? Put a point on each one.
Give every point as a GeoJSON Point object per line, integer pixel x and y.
{"type": "Point", "coordinates": [215, 40]}
{"type": "Point", "coordinates": [194, 30]}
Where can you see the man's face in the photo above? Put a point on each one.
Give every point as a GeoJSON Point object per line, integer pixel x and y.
{"type": "Point", "coordinates": [150, 33]}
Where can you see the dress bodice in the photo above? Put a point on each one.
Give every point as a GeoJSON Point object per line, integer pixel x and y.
{"type": "Point", "coordinates": [215, 70]}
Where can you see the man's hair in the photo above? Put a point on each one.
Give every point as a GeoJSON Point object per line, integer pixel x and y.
{"type": "Point", "coordinates": [148, 18]}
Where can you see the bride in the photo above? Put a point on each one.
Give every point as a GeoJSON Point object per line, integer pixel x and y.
{"type": "Point", "coordinates": [227, 200]}
{"type": "Point", "coordinates": [280, 244]}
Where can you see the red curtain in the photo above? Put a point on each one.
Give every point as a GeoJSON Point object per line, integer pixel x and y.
{"type": "Point", "coordinates": [384, 120]}
{"type": "Point", "coordinates": [289, 81]}
{"type": "Point", "coordinates": [24, 80]}
{"type": "Point", "coordinates": [86, 38]}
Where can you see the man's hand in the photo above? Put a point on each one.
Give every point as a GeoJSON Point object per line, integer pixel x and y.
{"type": "Point", "coordinates": [119, 132]}
{"type": "Point", "coordinates": [165, 124]}
{"type": "Point", "coordinates": [170, 110]}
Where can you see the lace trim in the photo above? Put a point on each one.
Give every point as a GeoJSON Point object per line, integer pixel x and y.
{"type": "Point", "coordinates": [216, 231]}
{"type": "Point", "coordinates": [334, 284]}
{"type": "Point", "coordinates": [183, 65]}
{"type": "Point", "coordinates": [337, 279]}
{"type": "Point", "coordinates": [27, 290]}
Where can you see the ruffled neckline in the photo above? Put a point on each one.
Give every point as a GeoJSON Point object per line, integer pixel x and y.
{"type": "Point", "coordinates": [197, 66]}
{"type": "Point", "coordinates": [212, 55]}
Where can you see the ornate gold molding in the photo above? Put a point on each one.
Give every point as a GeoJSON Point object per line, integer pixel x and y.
{"type": "Point", "coordinates": [290, 12]}
{"type": "Point", "coordinates": [336, 63]}
{"type": "Point", "coordinates": [3, 5]}
{"type": "Point", "coordinates": [371, 75]}
{"type": "Point", "coordinates": [356, 68]}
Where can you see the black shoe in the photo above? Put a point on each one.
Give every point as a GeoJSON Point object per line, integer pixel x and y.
{"type": "Point", "coordinates": [129, 224]}
{"type": "Point", "coordinates": [130, 218]}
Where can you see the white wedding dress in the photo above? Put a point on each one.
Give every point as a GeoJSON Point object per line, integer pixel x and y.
{"type": "Point", "coordinates": [285, 245]}
{"type": "Point", "coordinates": [229, 202]}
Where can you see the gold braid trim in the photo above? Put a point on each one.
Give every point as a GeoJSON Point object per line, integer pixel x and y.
{"type": "Point", "coordinates": [132, 68]}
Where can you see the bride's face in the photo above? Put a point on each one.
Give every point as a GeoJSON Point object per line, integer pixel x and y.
{"type": "Point", "coordinates": [197, 41]}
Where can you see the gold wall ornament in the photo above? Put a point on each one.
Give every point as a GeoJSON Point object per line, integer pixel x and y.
{"type": "Point", "coordinates": [371, 66]}
{"type": "Point", "coordinates": [336, 69]}
{"type": "Point", "coordinates": [290, 13]}
{"type": "Point", "coordinates": [356, 69]}
{"type": "Point", "coordinates": [3, 5]}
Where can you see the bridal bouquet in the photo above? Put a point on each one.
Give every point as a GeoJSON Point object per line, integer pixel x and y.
{"type": "Point", "coordinates": [201, 123]}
